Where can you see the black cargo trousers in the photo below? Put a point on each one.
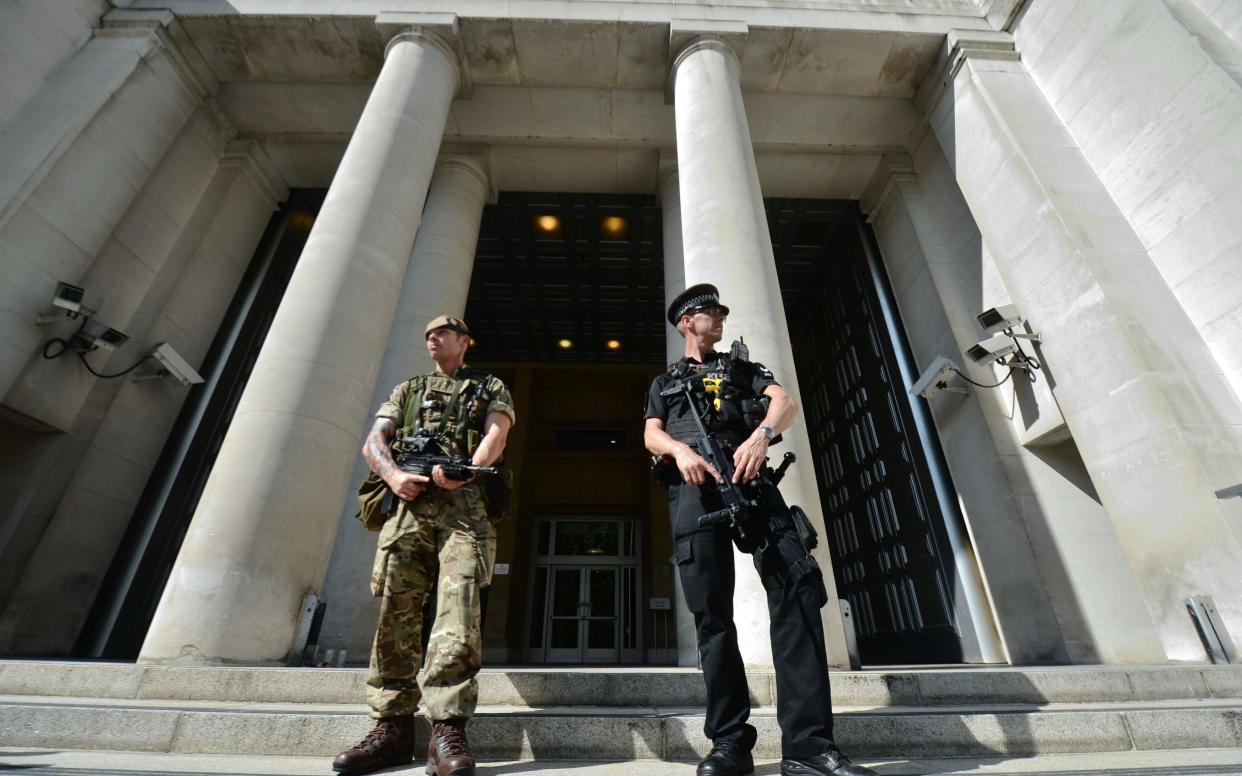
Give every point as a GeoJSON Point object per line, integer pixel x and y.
{"type": "Point", "coordinates": [704, 559]}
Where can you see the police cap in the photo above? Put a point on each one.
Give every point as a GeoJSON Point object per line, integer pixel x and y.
{"type": "Point", "coordinates": [446, 322]}
{"type": "Point", "coordinates": [694, 297]}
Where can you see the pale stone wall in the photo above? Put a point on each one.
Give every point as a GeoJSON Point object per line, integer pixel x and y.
{"type": "Point", "coordinates": [1159, 119]}
{"type": "Point", "coordinates": [36, 37]}
{"type": "Point", "coordinates": [184, 307]}
{"type": "Point", "coordinates": [1031, 507]}
{"type": "Point", "coordinates": [71, 164]}
{"type": "Point", "coordinates": [74, 160]}
{"type": "Point", "coordinates": [1153, 417]}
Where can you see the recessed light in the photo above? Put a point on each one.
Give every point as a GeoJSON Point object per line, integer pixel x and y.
{"type": "Point", "coordinates": [615, 227]}
{"type": "Point", "coordinates": [548, 223]}
{"type": "Point", "coordinates": [613, 344]}
{"type": "Point", "coordinates": [565, 344]}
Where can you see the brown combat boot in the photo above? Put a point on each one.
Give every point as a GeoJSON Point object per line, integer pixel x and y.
{"type": "Point", "coordinates": [448, 752]}
{"type": "Point", "coordinates": [390, 742]}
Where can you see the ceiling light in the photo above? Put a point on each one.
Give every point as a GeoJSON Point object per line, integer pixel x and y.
{"type": "Point", "coordinates": [613, 344]}
{"type": "Point", "coordinates": [615, 227]}
{"type": "Point", "coordinates": [549, 224]}
{"type": "Point", "coordinates": [565, 344]}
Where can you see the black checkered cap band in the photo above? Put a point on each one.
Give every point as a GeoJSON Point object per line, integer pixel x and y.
{"type": "Point", "coordinates": [695, 302]}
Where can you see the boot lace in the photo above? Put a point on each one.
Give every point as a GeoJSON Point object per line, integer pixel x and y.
{"type": "Point", "coordinates": [724, 747]}
{"type": "Point", "coordinates": [374, 739]}
{"type": "Point", "coordinates": [451, 740]}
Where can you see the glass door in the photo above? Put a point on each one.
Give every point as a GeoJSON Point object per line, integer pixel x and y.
{"type": "Point", "coordinates": [584, 601]}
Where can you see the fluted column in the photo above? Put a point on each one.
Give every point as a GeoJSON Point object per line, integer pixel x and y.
{"type": "Point", "coordinates": [726, 242]}
{"type": "Point", "coordinates": [437, 282]}
{"type": "Point", "coordinates": [263, 532]}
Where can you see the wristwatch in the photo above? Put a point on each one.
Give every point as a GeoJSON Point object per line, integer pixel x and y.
{"type": "Point", "coordinates": [768, 431]}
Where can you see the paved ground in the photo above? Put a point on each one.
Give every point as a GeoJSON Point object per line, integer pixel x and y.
{"type": "Point", "coordinates": [41, 762]}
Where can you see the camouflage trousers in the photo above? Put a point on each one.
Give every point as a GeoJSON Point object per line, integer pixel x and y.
{"type": "Point", "coordinates": [461, 550]}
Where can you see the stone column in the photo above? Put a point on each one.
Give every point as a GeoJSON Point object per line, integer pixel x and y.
{"type": "Point", "coordinates": [1147, 405]}
{"type": "Point", "coordinates": [726, 242]}
{"type": "Point", "coordinates": [263, 532]}
{"type": "Point", "coordinates": [674, 282]}
{"type": "Point", "coordinates": [437, 282]}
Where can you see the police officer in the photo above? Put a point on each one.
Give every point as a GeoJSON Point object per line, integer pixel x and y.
{"type": "Point", "coordinates": [743, 409]}
{"type": "Point", "coordinates": [440, 529]}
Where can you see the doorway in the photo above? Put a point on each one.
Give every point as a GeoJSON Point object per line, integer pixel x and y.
{"type": "Point", "coordinates": [584, 600]}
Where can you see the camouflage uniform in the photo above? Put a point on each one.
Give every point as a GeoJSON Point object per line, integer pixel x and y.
{"type": "Point", "coordinates": [440, 531]}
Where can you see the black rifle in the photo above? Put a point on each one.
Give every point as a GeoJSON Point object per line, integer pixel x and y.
{"type": "Point", "coordinates": [421, 454]}
{"type": "Point", "coordinates": [736, 506]}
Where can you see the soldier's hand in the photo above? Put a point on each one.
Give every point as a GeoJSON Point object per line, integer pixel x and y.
{"type": "Point", "coordinates": [694, 468]}
{"type": "Point", "coordinates": [442, 480]}
{"type": "Point", "coordinates": [408, 486]}
{"type": "Point", "coordinates": [749, 457]}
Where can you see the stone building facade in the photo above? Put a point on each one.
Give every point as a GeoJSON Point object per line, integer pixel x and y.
{"type": "Point", "coordinates": [284, 191]}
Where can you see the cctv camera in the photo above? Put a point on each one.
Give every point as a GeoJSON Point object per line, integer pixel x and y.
{"type": "Point", "coordinates": [69, 297]}
{"type": "Point", "coordinates": [999, 318]}
{"type": "Point", "coordinates": [173, 365]}
{"type": "Point", "coordinates": [992, 349]}
{"type": "Point", "coordinates": [97, 335]}
{"type": "Point", "coordinates": [75, 301]}
{"type": "Point", "coordinates": [935, 378]}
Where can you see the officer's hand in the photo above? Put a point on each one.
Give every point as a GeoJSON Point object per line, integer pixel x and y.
{"type": "Point", "coordinates": [749, 457]}
{"type": "Point", "coordinates": [408, 486]}
{"type": "Point", "coordinates": [694, 468]}
{"type": "Point", "coordinates": [442, 480]}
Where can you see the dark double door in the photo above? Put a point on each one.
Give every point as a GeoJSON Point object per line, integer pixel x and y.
{"type": "Point", "coordinates": [890, 551]}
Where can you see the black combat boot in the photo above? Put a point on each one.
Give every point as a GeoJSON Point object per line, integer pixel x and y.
{"type": "Point", "coordinates": [390, 742]}
{"type": "Point", "coordinates": [727, 758]}
{"type": "Point", "coordinates": [830, 762]}
{"type": "Point", "coordinates": [448, 752]}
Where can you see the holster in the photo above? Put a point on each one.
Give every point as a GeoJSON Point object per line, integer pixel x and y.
{"type": "Point", "coordinates": [805, 530]}
{"type": "Point", "coordinates": [807, 572]}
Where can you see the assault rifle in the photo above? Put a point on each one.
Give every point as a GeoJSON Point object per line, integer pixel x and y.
{"type": "Point", "coordinates": [736, 504]}
{"type": "Point", "coordinates": [420, 453]}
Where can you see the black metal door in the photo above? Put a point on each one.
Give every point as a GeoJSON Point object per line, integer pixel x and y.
{"type": "Point", "coordinates": [890, 554]}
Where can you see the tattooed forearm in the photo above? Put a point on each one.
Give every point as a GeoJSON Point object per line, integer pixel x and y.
{"type": "Point", "coordinates": [375, 450]}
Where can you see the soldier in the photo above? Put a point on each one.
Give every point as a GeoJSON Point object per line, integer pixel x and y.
{"type": "Point", "coordinates": [743, 409]}
{"type": "Point", "coordinates": [440, 524]}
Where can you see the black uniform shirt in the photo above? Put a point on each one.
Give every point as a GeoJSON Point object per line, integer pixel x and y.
{"type": "Point", "coordinates": [687, 502]}
{"type": "Point", "coordinates": [754, 378]}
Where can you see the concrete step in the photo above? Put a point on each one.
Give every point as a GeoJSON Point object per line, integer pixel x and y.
{"type": "Point", "coordinates": [620, 687]}
{"type": "Point", "coordinates": [615, 733]}
{"type": "Point", "coordinates": [34, 762]}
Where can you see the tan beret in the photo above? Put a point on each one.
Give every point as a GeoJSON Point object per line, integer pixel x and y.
{"type": "Point", "coordinates": [446, 322]}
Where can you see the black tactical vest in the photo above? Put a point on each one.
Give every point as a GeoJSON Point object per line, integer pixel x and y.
{"type": "Point", "coordinates": [725, 388]}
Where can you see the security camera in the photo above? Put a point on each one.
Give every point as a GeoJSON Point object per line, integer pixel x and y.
{"type": "Point", "coordinates": [172, 364]}
{"type": "Point", "coordinates": [74, 300]}
{"type": "Point", "coordinates": [992, 349]}
{"type": "Point", "coordinates": [97, 335]}
{"type": "Point", "coordinates": [936, 378]}
{"type": "Point", "coordinates": [1000, 318]}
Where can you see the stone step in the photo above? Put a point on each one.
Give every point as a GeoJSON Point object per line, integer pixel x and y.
{"type": "Point", "coordinates": [613, 733]}
{"type": "Point", "coordinates": [1193, 762]}
{"type": "Point", "coordinates": [621, 687]}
